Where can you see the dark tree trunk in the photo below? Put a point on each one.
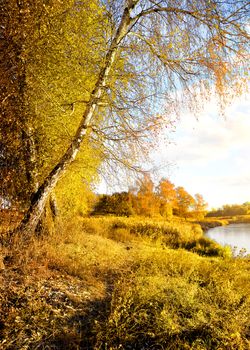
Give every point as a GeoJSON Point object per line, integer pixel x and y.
{"type": "Point", "coordinates": [17, 171]}
{"type": "Point", "coordinates": [53, 205]}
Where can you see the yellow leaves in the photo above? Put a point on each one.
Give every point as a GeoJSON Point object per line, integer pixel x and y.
{"type": "Point", "coordinates": [61, 71]}
{"type": "Point", "coordinates": [216, 65]}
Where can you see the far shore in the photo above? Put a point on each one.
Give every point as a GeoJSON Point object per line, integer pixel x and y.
{"type": "Point", "coordinates": [212, 222]}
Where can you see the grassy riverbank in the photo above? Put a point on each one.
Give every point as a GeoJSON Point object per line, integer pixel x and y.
{"type": "Point", "coordinates": [122, 283]}
{"type": "Point", "coordinates": [208, 223]}
{"type": "Point", "coordinates": [211, 222]}
{"type": "Point", "coordinates": [240, 219]}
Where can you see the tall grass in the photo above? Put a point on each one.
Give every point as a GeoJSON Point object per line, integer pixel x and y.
{"type": "Point", "coordinates": [149, 295]}
{"type": "Point", "coordinates": [178, 300]}
{"type": "Point", "coordinates": [177, 233]}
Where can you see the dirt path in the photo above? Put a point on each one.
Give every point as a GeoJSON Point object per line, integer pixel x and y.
{"type": "Point", "coordinates": [57, 311]}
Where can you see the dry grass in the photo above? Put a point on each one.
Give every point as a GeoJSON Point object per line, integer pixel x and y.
{"type": "Point", "coordinates": [85, 255]}
{"type": "Point", "coordinates": [9, 219]}
{"type": "Point", "coordinates": [51, 289]}
{"type": "Point", "coordinates": [114, 283]}
{"type": "Point", "coordinates": [178, 300]}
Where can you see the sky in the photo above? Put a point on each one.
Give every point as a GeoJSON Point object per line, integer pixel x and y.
{"type": "Point", "coordinates": [211, 155]}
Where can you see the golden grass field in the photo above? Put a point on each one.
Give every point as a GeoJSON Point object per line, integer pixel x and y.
{"type": "Point", "coordinates": [124, 283]}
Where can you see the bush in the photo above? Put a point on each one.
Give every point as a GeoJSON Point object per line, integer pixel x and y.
{"type": "Point", "coordinates": [207, 247]}
{"type": "Point", "coordinates": [178, 300]}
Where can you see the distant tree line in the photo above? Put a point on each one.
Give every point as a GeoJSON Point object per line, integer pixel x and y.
{"type": "Point", "coordinates": [146, 199]}
{"type": "Point", "coordinates": [231, 210]}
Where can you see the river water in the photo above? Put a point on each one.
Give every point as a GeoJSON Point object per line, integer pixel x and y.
{"type": "Point", "coordinates": [235, 235]}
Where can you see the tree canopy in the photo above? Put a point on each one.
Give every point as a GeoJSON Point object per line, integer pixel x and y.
{"type": "Point", "coordinates": [110, 77]}
{"type": "Point", "coordinates": [146, 199]}
{"type": "Point", "coordinates": [230, 210]}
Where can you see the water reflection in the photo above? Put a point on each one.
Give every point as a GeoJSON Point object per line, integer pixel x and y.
{"type": "Point", "coordinates": [235, 235]}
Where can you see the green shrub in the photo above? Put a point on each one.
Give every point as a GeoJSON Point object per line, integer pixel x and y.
{"type": "Point", "coordinates": [207, 247]}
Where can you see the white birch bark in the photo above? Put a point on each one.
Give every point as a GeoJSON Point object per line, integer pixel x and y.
{"type": "Point", "coordinates": [30, 221]}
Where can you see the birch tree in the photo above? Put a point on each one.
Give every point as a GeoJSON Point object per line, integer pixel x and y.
{"type": "Point", "coordinates": [61, 70]}
{"type": "Point", "coordinates": [174, 53]}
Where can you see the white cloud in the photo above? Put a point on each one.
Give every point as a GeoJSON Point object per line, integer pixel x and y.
{"type": "Point", "coordinates": [212, 155]}
{"type": "Point", "coordinates": [217, 190]}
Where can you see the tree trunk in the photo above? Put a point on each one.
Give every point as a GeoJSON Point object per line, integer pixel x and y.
{"type": "Point", "coordinates": [53, 206]}
{"type": "Point", "coordinates": [46, 223]}
{"type": "Point", "coordinates": [17, 147]}
{"type": "Point", "coordinates": [30, 158]}
{"type": "Point", "coordinates": [31, 219]}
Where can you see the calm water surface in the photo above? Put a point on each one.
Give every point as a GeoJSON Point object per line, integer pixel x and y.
{"type": "Point", "coordinates": [235, 235]}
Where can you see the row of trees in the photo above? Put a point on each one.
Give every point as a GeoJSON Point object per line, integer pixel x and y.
{"type": "Point", "coordinates": [79, 82]}
{"type": "Point", "coordinates": [148, 200]}
{"type": "Point", "coordinates": [231, 210]}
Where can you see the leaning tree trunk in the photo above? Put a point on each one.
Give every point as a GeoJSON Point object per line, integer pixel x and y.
{"type": "Point", "coordinates": [31, 219]}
